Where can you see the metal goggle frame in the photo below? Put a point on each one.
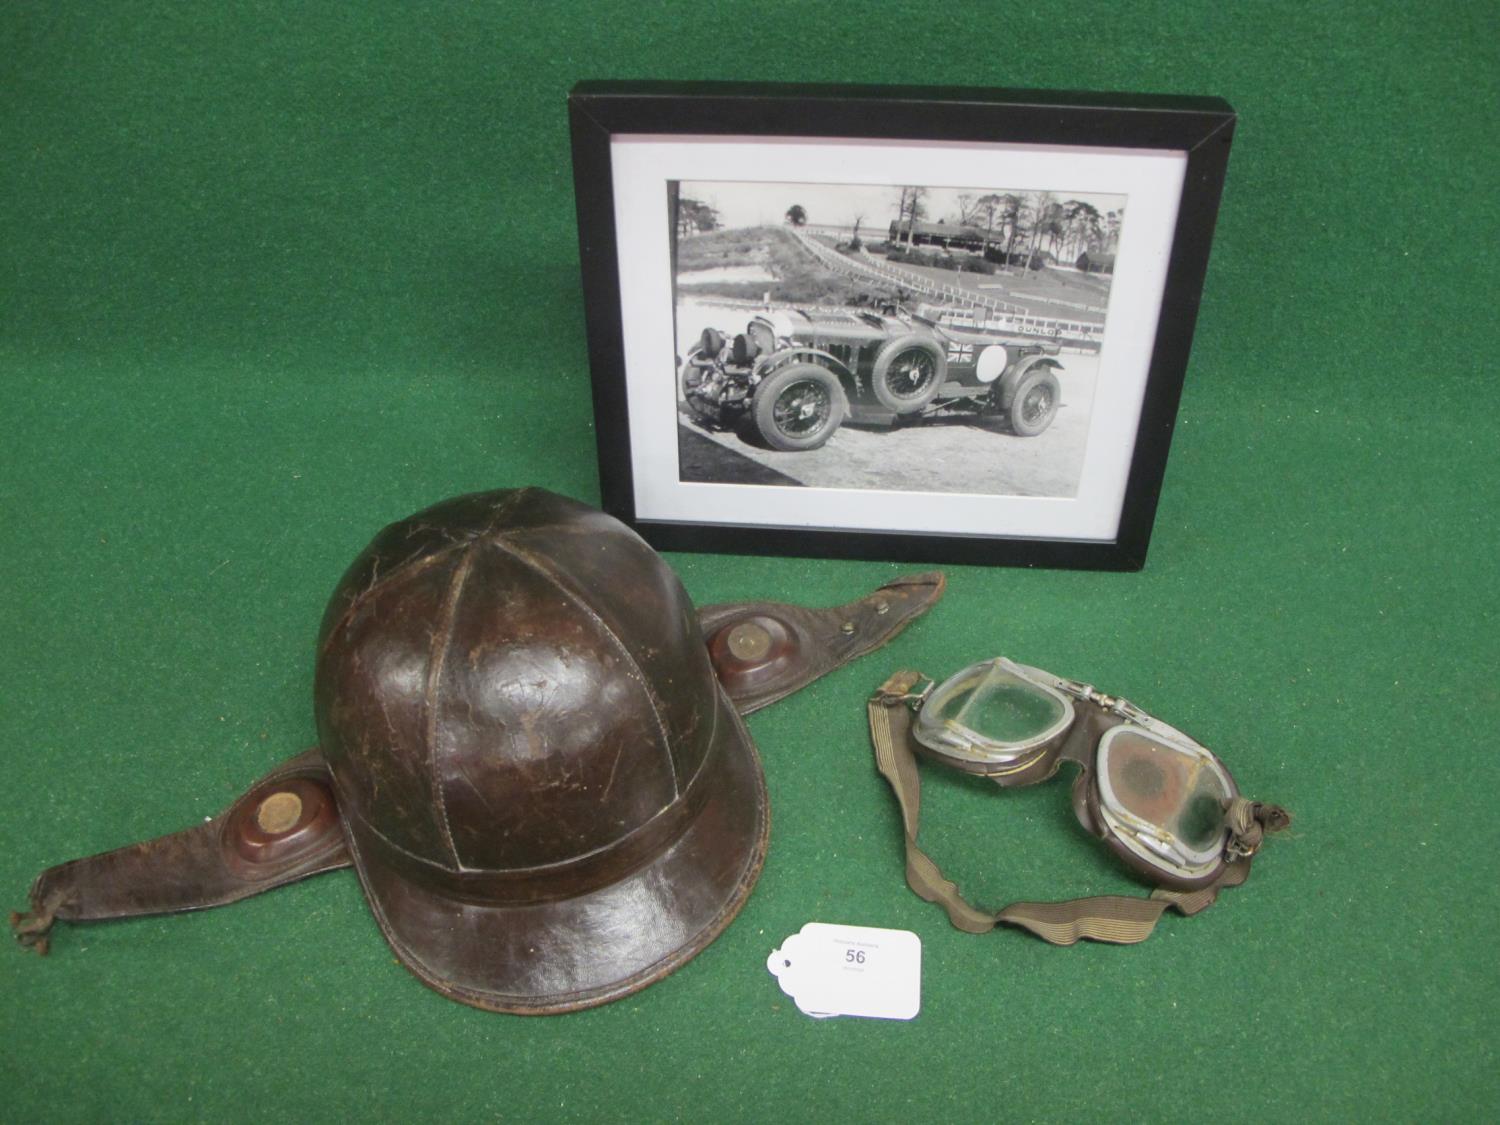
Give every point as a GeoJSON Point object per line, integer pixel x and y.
{"type": "Point", "coordinates": [1164, 803]}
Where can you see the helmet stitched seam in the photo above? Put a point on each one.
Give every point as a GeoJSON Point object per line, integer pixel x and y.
{"type": "Point", "coordinates": [636, 672]}
{"type": "Point", "coordinates": [441, 640]}
{"type": "Point", "coordinates": [404, 571]}
{"type": "Point", "coordinates": [415, 564]}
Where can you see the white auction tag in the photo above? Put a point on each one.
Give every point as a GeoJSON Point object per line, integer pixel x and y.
{"type": "Point", "coordinates": [851, 971]}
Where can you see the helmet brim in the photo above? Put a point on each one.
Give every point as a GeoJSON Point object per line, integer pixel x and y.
{"type": "Point", "coordinates": [571, 953]}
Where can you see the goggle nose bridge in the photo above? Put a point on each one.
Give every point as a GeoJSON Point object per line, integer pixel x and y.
{"type": "Point", "coordinates": [1114, 704]}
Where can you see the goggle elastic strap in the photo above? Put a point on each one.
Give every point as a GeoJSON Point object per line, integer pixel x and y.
{"type": "Point", "coordinates": [1120, 919]}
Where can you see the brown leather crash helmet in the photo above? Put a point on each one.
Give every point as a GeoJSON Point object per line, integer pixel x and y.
{"type": "Point", "coordinates": [530, 749]}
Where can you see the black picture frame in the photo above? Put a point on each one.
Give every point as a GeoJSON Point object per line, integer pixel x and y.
{"type": "Point", "coordinates": [1199, 128]}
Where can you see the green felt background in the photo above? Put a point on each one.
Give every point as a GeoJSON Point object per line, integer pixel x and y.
{"type": "Point", "coordinates": [274, 274]}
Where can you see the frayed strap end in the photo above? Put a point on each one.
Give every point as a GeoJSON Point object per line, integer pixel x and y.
{"type": "Point", "coordinates": [1248, 823]}
{"type": "Point", "coordinates": [1273, 817]}
{"type": "Point", "coordinates": [33, 930]}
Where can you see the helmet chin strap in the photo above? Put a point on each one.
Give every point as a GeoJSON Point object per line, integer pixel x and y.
{"type": "Point", "coordinates": [1117, 919]}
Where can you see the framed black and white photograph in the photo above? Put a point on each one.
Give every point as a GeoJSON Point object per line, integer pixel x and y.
{"type": "Point", "coordinates": [929, 325]}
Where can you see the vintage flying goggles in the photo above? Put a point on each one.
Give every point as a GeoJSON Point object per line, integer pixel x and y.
{"type": "Point", "coordinates": [1163, 803]}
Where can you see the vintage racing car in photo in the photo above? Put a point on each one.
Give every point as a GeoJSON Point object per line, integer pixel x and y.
{"type": "Point", "coordinates": [796, 376]}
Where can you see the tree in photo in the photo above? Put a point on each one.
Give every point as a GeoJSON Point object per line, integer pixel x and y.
{"type": "Point", "coordinates": [911, 206]}
{"type": "Point", "coordinates": [985, 212]}
{"type": "Point", "coordinates": [1083, 226]}
{"type": "Point", "coordinates": [1010, 214]}
{"type": "Point", "coordinates": [1113, 220]}
{"type": "Point", "coordinates": [695, 215]}
{"type": "Point", "coordinates": [1046, 222]}
{"type": "Point", "coordinates": [796, 214]}
{"type": "Point", "coordinates": [969, 206]}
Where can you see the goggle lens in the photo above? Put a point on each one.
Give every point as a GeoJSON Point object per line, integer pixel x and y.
{"type": "Point", "coordinates": [997, 705]}
{"type": "Point", "coordinates": [1172, 796]}
{"type": "Point", "coordinates": [1005, 708]}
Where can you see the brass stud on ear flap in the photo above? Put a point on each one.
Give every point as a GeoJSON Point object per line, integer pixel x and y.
{"type": "Point", "coordinates": [748, 641]}
{"type": "Point", "coordinates": [753, 654]}
{"type": "Point", "coordinates": [847, 628]}
{"type": "Point", "coordinates": [278, 813]}
{"type": "Point", "coordinates": [279, 823]}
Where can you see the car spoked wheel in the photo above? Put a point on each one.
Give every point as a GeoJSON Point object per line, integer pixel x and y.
{"type": "Point", "coordinates": [907, 373]}
{"type": "Point", "coordinates": [801, 409]}
{"type": "Point", "coordinates": [798, 407]}
{"type": "Point", "coordinates": [1037, 405]}
{"type": "Point", "coordinates": [909, 377]}
{"type": "Point", "coordinates": [1035, 402]}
